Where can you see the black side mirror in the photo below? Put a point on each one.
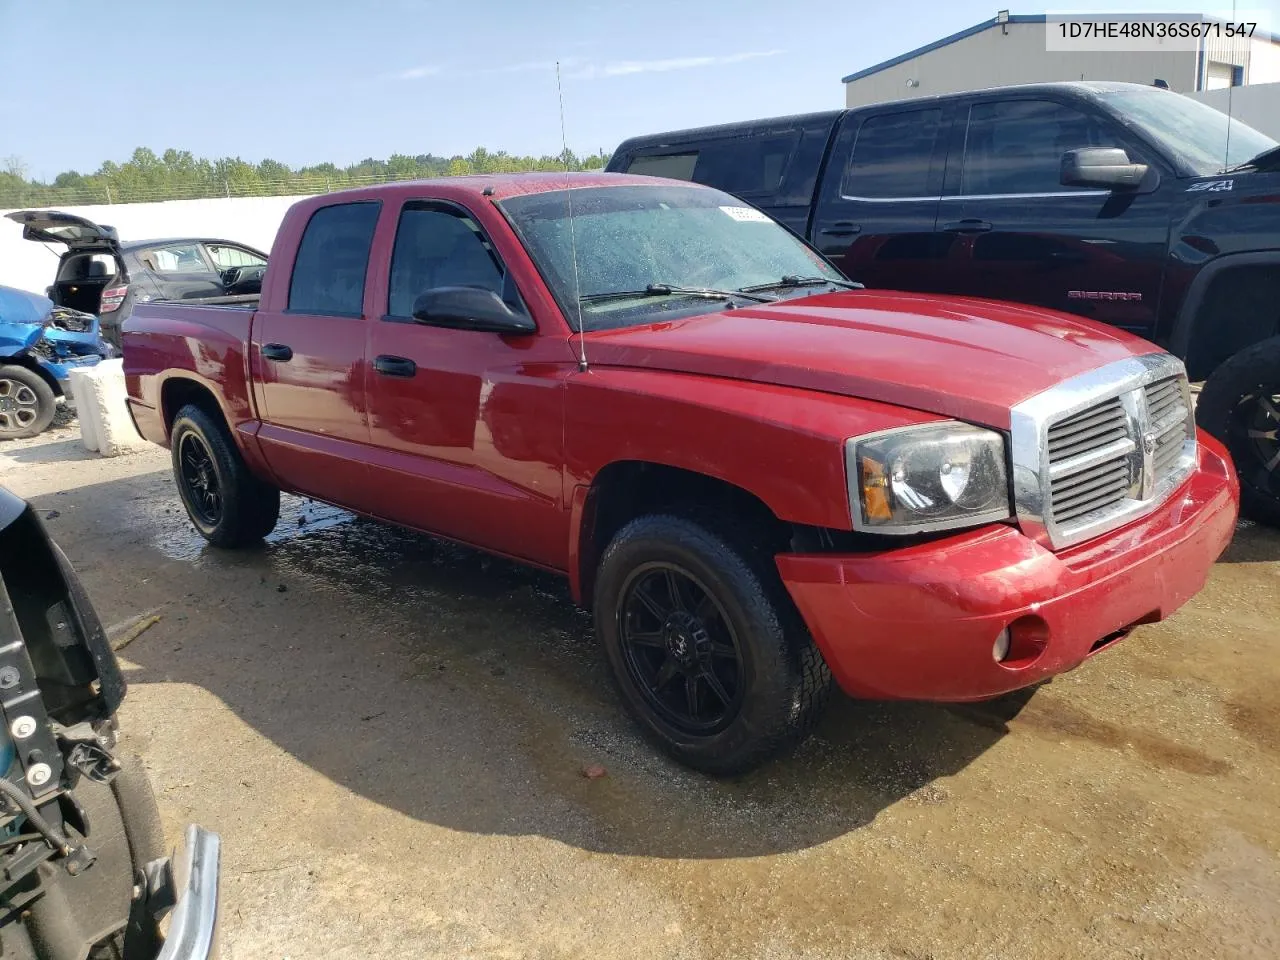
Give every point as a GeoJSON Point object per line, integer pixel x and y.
{"type": "Point", "coordinates": [1101, 167]}
{"type": "Point", "coordinates": [470, 308]}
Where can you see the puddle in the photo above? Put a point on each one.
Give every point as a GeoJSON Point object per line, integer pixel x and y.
{"type": "Point", "coordinates": [176, 539]}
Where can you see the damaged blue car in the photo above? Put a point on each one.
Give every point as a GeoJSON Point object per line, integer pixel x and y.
{"type": "Point", "coordinates": [40, 344]}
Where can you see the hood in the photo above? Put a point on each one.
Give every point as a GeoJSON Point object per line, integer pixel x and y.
{"type": "Point", "coordinates": [958, 357]}
{"type": "Point", "coordinates": [27, 318]}
{"type": "Point", "coordinates": [53, 226]}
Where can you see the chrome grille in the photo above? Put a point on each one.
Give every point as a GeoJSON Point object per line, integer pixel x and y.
{"type": "Point", "coordinates": [1102, 449]}
{"type": "Point", "coordinates": [1090, 461]}
{"type": "Point", "coordinates": [1169, 413]}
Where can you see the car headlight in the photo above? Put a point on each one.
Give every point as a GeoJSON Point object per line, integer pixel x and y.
{"type": "Point", "coordinates": [936, 476]}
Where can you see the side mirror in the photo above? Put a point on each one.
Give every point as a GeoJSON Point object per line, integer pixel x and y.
{"type": "Point", "coordinates": [1101, 167]}
{"type": "Point", "coordinates": [470, 308]}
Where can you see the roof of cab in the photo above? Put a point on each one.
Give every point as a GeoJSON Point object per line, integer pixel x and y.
{"type": "Point", "coordinates": [495, 186]}
{"type": "Point", "coordinates": [766, 125]}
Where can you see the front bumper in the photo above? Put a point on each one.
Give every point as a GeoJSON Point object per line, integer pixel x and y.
{"type": "Point", "coordinates": [193, 925]}
{"type": "Point", "coordinates": [919, 623]}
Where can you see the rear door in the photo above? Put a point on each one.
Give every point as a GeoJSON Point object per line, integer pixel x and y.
{"type": "Point", "coordinates": [309, 361]}
{"type": "Point", "coordinates": [1017, 233]}
{"type": "Point", "coordinates": [53, 226]}
{"type": "Point", "coordinates": [878, 202]}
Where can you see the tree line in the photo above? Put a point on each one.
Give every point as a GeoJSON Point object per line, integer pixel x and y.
{"type": "Point", "coordinates": [178, 175]}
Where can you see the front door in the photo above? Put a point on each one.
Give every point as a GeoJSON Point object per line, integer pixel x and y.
{"type": "Point", "coordinates": [878, 202]}
{"type": "Point", "coordinates": [309, 361]}
{"type": "Point", "coordinates": [466, 426]}
{"type": "Point", "coordinates": [1015, 232]}
{"type": "Point", "coordinates": [181, 271]}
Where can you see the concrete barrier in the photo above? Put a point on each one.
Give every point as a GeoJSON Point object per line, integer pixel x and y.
{"type": "Point", "coordinates": [99, 395]}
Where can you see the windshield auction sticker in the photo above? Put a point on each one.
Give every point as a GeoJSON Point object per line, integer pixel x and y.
{"type": "Point", "coordinates": [745, 214]}
{"type": "Point", "coordinates": [1155, 32]}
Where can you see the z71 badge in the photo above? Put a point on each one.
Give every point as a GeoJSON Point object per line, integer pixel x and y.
{"type": "Point", "coordinates": [1211, 186]}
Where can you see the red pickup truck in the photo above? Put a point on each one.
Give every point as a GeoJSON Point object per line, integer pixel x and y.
{"type": "Point", "coordinates": [757, 475]}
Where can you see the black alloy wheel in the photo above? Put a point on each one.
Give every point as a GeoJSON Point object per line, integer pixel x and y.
{"type": "Point", "coordinates": [680, 648]}
{"type": "Point", "coordinates": [199, 478]}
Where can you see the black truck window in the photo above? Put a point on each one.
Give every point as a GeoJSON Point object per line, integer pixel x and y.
{"type": "Point", "coordinates": [892, 156]}
{"type": "Point", "coordinates": [1016, 146]}
{"type": "Point", "coordinates": [748, 167]}
{"type": "Point", "coordinates": [676, 166]}
{"type": "Point", "coordinates": [333, 257]}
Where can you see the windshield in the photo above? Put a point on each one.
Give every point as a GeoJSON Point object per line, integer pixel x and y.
{"type": "Point", "coordinates": [631, 237]}
{"type": "Point", "coordinates": [1194, 131]}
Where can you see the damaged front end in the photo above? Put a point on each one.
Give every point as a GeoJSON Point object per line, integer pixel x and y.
{"type": "Point", "coordinates": [82, 865]}
{"type": "Point", "coordinates": [56, 339]}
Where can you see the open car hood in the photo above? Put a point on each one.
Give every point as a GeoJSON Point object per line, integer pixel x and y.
{"type": "Point", "coordinates": [53, 226]}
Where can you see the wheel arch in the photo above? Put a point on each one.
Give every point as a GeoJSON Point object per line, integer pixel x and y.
{"type": "Point", "coordinates": [179, 390]}
{"type": "Point", "coordinates": [625, 489]}
{"type": "Point", "coordinates": [1200, 307]}
{"type": "Point", "coordinates": [28, 362]}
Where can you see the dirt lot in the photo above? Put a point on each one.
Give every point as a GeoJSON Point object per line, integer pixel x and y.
{"type": "Point", "coordinates": [389, 734]}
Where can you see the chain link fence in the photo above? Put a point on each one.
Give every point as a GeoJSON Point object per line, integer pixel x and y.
{"type": "Point", "coordinates": [47, 196]}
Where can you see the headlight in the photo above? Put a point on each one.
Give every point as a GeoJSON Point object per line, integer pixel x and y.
{"type": "Point", "coordinates": [933, 477]}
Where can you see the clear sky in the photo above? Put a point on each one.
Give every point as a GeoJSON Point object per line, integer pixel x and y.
{"type": "Point", "coordinates": [305, 81]}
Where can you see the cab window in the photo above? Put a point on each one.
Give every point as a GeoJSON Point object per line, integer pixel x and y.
{"type": "Point", "coordinates": [333, 258]}
{"type": "Point", "coordinates": [438, 246]}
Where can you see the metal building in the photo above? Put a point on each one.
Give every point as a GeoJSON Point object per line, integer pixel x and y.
{"type": "Point", "coordinates": [1009, 49]}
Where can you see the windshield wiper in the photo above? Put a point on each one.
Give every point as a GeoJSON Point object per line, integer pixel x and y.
{"type": "Point", "coordinates": [790, 281]}
{"type": "Point", "coordinates": [1267, 158]}
{"type": "Point", "coordinates": [667, 290]}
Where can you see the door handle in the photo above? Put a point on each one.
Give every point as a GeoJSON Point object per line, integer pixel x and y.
{"type": "Point", "coordinates": [395, 366]}
{"type": "Point", "coordinates": [841, 228]}
{"type": "Point", "coordinates": [968, 225]}
{"type": "Point", "coordinates": [278, 352]}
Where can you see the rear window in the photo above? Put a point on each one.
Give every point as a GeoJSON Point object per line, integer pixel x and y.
{"type": "Point", "coordinates": [893, 156]}
{"type": "Point", "coordinates": [87, 266]}
{"type": "Point", "coordinates": [333, 257]}
{"type": "Point", "coordinates": [675, 166]}
{"type": "Point", "coordinates": [750, 166]}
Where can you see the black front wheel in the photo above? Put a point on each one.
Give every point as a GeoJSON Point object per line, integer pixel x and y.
{"type": "Point", "coordinates": [707, 650]}
{"type": "Point", "coordinates": [225, 501]}
{"type": "Point", "coordinates": [1240, 405]}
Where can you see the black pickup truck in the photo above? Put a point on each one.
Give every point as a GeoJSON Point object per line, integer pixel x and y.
{"type": "Point", "coordinates": [1128, 204]}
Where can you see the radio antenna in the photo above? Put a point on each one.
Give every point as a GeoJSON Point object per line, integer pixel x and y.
{"type": "Point", "coordinates": [1226, 150]}
{"type": "Point", "coordinates": [573, 240]}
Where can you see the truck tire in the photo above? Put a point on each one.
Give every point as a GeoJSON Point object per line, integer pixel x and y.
{"type": "Point", "coordinates": [706, 648]}
{"type": "Point", "coordinates": [27, 403]}
{"type": "Point", "coordinates": [1240, 405]}
{"type": "Point", "coordinates": [228, 505]}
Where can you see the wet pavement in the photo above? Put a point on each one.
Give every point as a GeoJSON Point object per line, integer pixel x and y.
{"type": "Point", "coordinates": [390, 733]}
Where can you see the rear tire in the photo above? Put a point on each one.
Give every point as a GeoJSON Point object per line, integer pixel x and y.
{"type": "Point", "coordinates": [1240, 405]}
{"type": "Point", "coordinates": [27, 403]}
{"type": "Point", "coordinates": [228, 505]}
{"type": "Point", "coordinates": [719, 669]}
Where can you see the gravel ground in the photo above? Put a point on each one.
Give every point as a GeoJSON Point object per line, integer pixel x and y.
{"type": "Point", "coordinates": [390, 734]}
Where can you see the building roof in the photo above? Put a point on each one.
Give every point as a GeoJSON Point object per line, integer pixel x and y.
{"type": "Point", "coordinates": [1027, 18]}
{"type": "Point", "coordinates": [945, 41]}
